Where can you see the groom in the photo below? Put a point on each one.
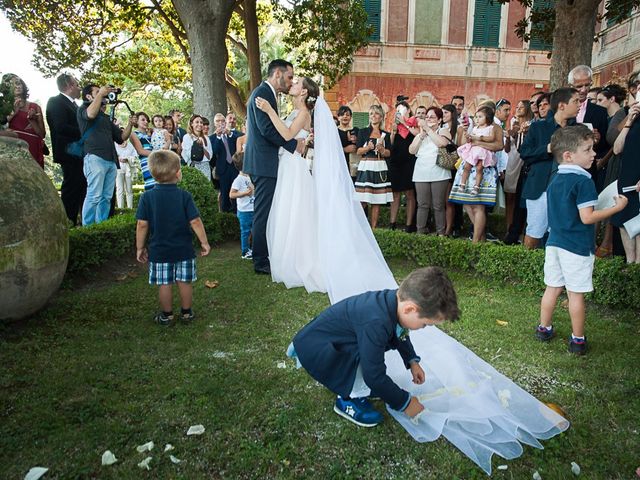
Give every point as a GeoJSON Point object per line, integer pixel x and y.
{"type": "Point", "coordinates": [261, 155]}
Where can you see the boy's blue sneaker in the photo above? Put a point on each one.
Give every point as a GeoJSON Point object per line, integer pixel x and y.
{"type": "Point", "coordinates": [545, 335]}
{"type": "Point", "coordinates": [358, 411]}
{"type": "Point", "coordinates": [579, 347]}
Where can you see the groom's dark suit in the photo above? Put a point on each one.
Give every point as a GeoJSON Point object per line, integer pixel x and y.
{"type": "Point", "coordinates": [63, 124]}
{"type": "Point", "coordinates": [261, 163]}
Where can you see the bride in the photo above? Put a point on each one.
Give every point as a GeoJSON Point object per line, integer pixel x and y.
{"type": "Point", "coordinates": [474, 406]}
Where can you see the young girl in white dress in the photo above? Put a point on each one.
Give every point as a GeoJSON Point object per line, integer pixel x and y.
{"type": "Point", "coordinates": [160, 138]}
{"type": "Point", "coordinates": [475, 155]}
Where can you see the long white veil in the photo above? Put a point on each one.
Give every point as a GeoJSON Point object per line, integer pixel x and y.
{"type": "Point", "coordinates": [473, 405]}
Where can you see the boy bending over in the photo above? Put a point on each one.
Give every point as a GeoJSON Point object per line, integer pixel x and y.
{"type": "Point", "coordinates": [343, 348]}
{"type": "Point", "coordinates": [569, 256]}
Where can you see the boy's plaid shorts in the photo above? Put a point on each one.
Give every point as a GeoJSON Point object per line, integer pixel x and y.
{"type": "Point", "coordinates": [172, 272]}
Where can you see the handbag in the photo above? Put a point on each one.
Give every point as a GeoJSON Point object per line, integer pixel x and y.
{"type": "Point", "coordinates": [197, 152]}
{"type": "Point", "coordinates": [447, 156]}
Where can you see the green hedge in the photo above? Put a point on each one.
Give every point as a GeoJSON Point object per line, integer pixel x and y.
{"type": "Point", "coordinates": [615, 283]}
{"type": "Point", "coordinates": [95, 245]}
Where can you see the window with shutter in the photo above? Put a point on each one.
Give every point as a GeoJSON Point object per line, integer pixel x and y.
{"type": "Point", "coordinates": [428, 22]}
{"type": "Point", "coordinates": [536, 42]}
{"type": "Point", "coordinates": [622, 15]}
{"type": "Point", "coordinates": [486, 23]}
{"type": "Point", "coordinates": [360, 119]}
{"type": "Point", "coordinates": [372, 7]}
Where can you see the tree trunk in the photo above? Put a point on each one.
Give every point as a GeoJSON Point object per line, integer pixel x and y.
{"type": "Point", "coordinates": [572, 37]}
{"type": "Point", "coordinates": [235, 101]}
{"type": "Point", "coordinates": [253, 42]}
{"type": "Point", "coordinates": [206, 23]}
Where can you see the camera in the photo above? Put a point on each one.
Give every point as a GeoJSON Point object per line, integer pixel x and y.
{"type": "Point", "coordinates": [112, 97]}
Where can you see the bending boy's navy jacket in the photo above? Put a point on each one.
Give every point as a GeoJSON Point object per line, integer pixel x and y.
{"type": "Point", "coordinates": [357, 330]}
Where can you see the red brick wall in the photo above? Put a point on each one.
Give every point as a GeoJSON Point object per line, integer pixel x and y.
{"type": "Point", "coordinates": [397, 20]}
{"type": "Point", "coordinates": [516, 13]}
{"type": "Point", "coordinates": [386, 88]}
{"type": "Point", "coordinates": [458, 22]}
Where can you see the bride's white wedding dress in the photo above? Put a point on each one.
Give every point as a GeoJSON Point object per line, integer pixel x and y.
{"type": "Point", "coordinates": [474, 406]}
{"type": "Point", "coordinates": [292, 232]}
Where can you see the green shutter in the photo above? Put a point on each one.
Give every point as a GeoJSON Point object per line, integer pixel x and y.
{"type": "Point", "coordinates": [486, 24]}
{"type": "Point", "coordinates": [360, 119]}
{"type": "Point", "coordinates": [428, 22]}
{"type": "Point", "coordinates": [535, 42]}
{"type": "Point", "coordinates": [372, 7]}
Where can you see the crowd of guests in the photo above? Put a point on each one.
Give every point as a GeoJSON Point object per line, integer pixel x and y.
{"type": "Point", "coordinates": [504, 159]}
{"type": "Point", "coordinates": [502, 151]}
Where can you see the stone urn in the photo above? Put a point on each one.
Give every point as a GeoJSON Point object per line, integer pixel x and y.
{"type": "Point", "coordinates": [34, 235]}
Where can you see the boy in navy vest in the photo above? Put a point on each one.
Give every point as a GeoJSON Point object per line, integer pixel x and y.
{"type": "Point", "coordinates": [168, 215]}
{"type": "Point", "coordinates": [569, 255]}
{"type": "Point", "coordinates": [343, 348]}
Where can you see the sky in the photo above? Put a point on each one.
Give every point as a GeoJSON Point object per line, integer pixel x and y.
{"type": "Point", "coordinates": [16, 58]}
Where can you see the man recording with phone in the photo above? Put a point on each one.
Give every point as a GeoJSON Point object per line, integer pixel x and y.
{"type": "Point", "coordinates": [100, 158]}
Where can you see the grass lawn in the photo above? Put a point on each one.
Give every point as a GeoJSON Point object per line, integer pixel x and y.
{"type": "Point", "coordinates": [92, 372]}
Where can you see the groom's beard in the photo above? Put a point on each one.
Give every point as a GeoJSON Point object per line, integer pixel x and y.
{"type": "Point", "coordinates": [283, 86]}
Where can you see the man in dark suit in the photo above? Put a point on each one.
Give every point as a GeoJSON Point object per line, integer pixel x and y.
{"type": "Point", "coordinates": [580, 78]}
{"type": "Point", "coordinates": [61, 117]}
{"type": "Point", "coordinates": [261, 155]}
{"type": "Point", "coordinates": [223, 144]}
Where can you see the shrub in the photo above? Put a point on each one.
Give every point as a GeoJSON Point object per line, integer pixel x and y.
{"type": "Point", "coordinates": [615, 283]}
{"type": "Point", "coordinates": [201, 189]}
{"type": "Point", "coordinates": [95, 245]}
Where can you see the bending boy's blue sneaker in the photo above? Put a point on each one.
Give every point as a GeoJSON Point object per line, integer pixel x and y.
{"type": "Point", "coordinates": [358, 411]}
{"type": "Point", "coordinates": [545, 335]}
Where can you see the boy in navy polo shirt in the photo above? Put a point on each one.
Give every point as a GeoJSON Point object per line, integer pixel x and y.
{"type": "Point", "coordinates": [343, 348]}
{"type": "Point", "coordinates": [569, 255]}
{"type": "Point", "coordinates": [168, 214]}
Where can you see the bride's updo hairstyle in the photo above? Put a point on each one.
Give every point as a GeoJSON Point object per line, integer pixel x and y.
{"type": "Point", "coordinates": [313, 91]}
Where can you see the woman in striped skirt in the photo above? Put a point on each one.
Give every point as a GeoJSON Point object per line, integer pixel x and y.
{"type": "Point", "coordinates": [372, 183]}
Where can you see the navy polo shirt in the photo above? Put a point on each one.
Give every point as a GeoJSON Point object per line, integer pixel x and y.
{"type": "Point", "coordinates": [569, 191]}
{"type": "Point", "coordinates": [169, 211]}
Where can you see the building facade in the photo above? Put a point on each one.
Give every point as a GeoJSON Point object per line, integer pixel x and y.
{"type": "Point", "coordinates": [430, 50]}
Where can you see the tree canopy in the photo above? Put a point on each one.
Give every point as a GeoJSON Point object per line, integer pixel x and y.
{"type": "Point", "coordinates": [145, 41]}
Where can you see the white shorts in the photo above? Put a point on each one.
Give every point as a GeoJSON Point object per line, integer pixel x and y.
{"type": "Point", "coordinates": [537, 220]}
{"type": "Point", "coordinates": [565, 269]}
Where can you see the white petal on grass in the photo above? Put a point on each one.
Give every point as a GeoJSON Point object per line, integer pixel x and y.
{"type": "Point", "coordinates": [147, 447]}
{"type": "Point", "coordinates": [195, 430]}
{"type": "Point", "coordinates": [35, 473]}
{"type": "Point", "coordinates": [108, 458]}
{"type": "Point", "coordinates": [536, 476]}
{"type": "Point", "coordinates": [174, 459]}
{"type": "Point", "coordinates": [145, 463]}
{"type": "Point", "coordinates": [575, 468]}
{"type": "Point", "coordinates": [168, 447]}
{"type": "Point", "coordinates": [282, 365]}
{"type": "Point", "coordinates": [503, 467]}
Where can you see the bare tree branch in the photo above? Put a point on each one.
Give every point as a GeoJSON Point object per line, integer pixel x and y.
{"type": "Point", "coordinates": [241, 46]}
{"type": "Point", "coordinates": [178, 35]}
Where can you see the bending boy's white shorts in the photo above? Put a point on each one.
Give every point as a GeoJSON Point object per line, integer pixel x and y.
{"type": "Point", "coordinates": [565, 269]}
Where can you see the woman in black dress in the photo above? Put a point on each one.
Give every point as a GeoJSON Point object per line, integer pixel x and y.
{"type": "Point", "coordinates": [348, 137]}
{"type": "Point", "coordinates": [627, 145]}
{"type": "Point", "coordinates": [401, 164]}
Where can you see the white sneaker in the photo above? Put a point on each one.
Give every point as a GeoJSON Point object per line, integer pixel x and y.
{"type": "Point", "coordinates": [248, 255]}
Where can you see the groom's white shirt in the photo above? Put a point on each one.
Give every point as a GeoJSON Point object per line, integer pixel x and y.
{"type": "Point", "coordinates": [275, 96]}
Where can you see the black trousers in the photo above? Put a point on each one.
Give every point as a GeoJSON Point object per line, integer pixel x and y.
{"type": "Point", "coordinates": [74, 188]}
{"type": "Point", "coordinates": [264, 189]}
{"type": "Point", "coordinates": [226, 180]}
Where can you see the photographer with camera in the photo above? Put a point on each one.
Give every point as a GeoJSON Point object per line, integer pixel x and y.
{"type": "Point", "coordinates": [100, 158]}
